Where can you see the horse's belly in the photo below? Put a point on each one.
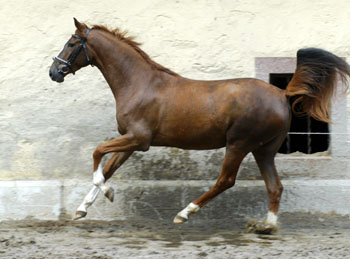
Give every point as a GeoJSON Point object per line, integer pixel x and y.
{"type": "Point", "coordinates": [192, 137]}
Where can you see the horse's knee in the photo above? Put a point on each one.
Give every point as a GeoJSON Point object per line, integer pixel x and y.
{"type": "Point", "coordinates": [97, 154]}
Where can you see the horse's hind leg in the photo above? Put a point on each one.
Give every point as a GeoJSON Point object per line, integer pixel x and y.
{"type": "Point", "coordinates": [265, 157]}
{"type": "Point", "coordinates": [99, 183]}
{"type": "Point", "coordinates": [227, 178]}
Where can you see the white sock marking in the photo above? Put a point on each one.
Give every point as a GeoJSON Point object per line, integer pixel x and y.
{"type": "Point", "coordinates": [191, 208]}
{"type": "Point", "coordinates": [89, 199]}
{"type": "Point", "coordinates": [99, 184]}
{"type": "Point", "coordinates": [271, 218]}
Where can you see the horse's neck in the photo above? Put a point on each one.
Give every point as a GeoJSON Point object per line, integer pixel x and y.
{"type": "Point", "coordinates": [123, 68]}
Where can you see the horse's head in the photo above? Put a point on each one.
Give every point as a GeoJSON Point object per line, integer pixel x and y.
{"type": "Point", "coordinates": [75, 54]}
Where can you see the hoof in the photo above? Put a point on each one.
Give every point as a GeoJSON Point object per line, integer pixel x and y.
{"type": "Point", "coordinates": [260, 228]}
{"type": "Point", "coordinates": [178, 219]}
{"type": "Point", "coordinates": [110, 194]}
{"type": "Point", "coordinates": [79, 215]}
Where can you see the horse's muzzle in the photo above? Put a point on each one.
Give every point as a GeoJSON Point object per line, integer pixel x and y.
{"type": "Point", "coordinates": [55, 75]}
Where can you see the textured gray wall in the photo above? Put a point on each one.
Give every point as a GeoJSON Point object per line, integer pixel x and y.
{"type": "Point", "coordinates": [49, 131]}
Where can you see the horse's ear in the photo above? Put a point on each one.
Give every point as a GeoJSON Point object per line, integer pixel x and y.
{"type": "Point", "coordinates": [80, 26]}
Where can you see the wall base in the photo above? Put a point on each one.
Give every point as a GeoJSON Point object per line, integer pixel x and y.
{"type": "Point", "coordinates": [161, 200]}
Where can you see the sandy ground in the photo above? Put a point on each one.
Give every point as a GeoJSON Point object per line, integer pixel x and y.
{"type": "Point", "coordinates": [300, 236]}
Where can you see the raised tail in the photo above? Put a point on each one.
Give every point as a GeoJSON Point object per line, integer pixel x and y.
{"type": "Point", "coordinates": [315, 81]}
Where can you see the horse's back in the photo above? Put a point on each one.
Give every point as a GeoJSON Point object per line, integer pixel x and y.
{"type": "Point", "coordinates": [201, 114]}
{"type": "Point", "coordinates": [260, 98]}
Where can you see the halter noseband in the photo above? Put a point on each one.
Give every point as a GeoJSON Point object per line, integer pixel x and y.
{"type": "Point", "coordinates": [72, 57]}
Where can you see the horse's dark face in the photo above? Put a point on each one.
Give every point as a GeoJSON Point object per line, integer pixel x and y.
{"type": "Point", "coordinates": [75, 55]}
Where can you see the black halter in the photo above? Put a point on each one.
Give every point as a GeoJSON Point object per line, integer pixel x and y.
{"type": "Point", "coordinates": [72, 57]}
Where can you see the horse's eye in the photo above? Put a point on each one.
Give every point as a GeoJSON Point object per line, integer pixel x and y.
{"type": "Point", "coordinates": [71, 45]}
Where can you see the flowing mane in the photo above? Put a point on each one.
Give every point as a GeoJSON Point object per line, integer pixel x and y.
{"type": "Point", "coordinates": [130, 40]}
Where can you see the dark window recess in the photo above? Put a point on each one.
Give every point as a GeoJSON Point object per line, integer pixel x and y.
{"type": "Point", "coordinates": [305, 143]}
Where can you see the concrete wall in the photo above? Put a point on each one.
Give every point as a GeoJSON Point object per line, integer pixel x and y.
{"type": "Point", "coordinates": [49, 131]}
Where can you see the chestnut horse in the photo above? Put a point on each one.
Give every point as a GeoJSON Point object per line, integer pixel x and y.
{"type": "Point", "coordinates": [157, 107]}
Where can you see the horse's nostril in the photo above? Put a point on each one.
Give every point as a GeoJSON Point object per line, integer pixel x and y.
{"type": "Point", "coordinates": [50, 74]}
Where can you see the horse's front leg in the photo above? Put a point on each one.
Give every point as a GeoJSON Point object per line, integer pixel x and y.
{"type": "Point", "coordinates": [100, 176]}
{"type": "Point", "coordinates": [112, 165]}
{"type": "Point", "coordinates": [124, 146]}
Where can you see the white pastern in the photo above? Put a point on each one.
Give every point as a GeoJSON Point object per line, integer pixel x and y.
{"type": "Point", "coordinates": [271, 218]}
{"type": "Point", "coordinates": [89, 199]}
{"type": "Point", "coordinates": [191, 208]}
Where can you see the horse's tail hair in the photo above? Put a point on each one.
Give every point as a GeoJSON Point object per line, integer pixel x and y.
{"type": "Point", "coordinates": [315, 81]}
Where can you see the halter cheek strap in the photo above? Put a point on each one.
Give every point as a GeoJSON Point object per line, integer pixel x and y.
{"type": "Point", "coordinates": [72, 57]}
